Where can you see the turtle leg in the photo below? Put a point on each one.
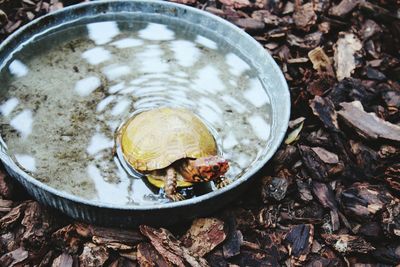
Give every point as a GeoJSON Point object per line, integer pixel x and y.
{"type": "Point", "coordinates": [170, 185]}
{"type": "Point", "coordinates": [221, 181]}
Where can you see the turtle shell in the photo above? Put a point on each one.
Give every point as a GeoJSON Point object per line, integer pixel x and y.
{"type": "Point", "coordinates": [156, 138]}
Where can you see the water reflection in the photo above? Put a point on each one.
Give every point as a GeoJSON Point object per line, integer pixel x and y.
{"type": "Point", "coordinates": [18, 68]}
{"type": "Point", "coordinates": [157, 32]}
{"type": "Point", "coordinates": [23, 123]}
{"type": "Point", "coordinates": [8, 106]}
{"type": "Point", "coordinates": [96, 55]}
{"type": "Point", "coordinates": [26, 161]}
{"type": "Point", "coordinates": [103, 32]}
{"type": "Point", "coordinates": [87, 85]}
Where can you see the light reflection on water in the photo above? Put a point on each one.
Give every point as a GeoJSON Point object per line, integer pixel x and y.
{"type": "Point", "coordinates": [62, 128]}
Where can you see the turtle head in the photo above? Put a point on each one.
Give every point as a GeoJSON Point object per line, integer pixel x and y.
{"type": "Point", "coordinates": [208, 168]}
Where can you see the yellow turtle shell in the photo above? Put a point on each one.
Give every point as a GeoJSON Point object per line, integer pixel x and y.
{"type": "Point", "coordinates": [154, 139]}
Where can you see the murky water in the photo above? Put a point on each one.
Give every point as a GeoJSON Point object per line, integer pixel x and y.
{"type": "Point", "coordinates": [63, 96]}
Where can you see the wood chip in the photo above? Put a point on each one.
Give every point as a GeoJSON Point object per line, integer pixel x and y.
{"type": "Point", "coordinates": [249, 24]}
{"type": "Point", "coordinates": [64, 260]}
{"type": "Point", "coordinates": [147, 255]}
{"type": "Point", "coordinates": [369, 29]}
{"type": "Point", "coordinates": [236, 3]}
{"type": "Point", "coordinates": [325, 110]}
{"type": "Point", "coordinates": [363, 201]}
{"type": "Point", "coordinates": [304, 16]}
{"type": "Point", "coordinates": [3, 18]}
{"type": "Point", "coordinates": [309, 41]}
{"type": "Point", "coordinates": [299, 241]}
{"type": "Point", "coordinates": [315, 166]}
{"type": "Point", "coordinates": [204, 235]}
{"type": "Point", "coordinates": [345, 48]}
{"type": "Point", "coordinates": [325, 155]}
{"type": "Point", "coordinates": [368, 125]}
{"type": "Point", "coordinates": [12, 217]}
{"type": "Point", "coordinates": [321, 62]}
{"type": "Point", "coordinates": [14, 258]}
{"type": "Point", "coordinates": [344, 7]}
{"type": "Point", "coordinates": [93, 255]}
{"type": "Point", "coordinates": [347, 243]}
{"type": "Point", "coordinates": [171, 248]}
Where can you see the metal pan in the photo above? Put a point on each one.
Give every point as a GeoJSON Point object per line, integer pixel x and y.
{"type": "Point", "coordinates": [121, 215]}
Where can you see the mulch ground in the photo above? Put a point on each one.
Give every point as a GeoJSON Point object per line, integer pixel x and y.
{"type": "Point", "coordinates": [329, 197]}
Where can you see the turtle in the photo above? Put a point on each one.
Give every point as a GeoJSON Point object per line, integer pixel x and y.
{"type": "Point", "coordinates": [173, 148]}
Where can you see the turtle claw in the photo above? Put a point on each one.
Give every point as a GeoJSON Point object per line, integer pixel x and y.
{"type": "Point", "coordinates": [222, 182]}
{"type": "Point", "coordinates": [176, 197]}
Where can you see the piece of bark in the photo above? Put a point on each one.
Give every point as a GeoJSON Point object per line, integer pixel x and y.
{"type": "Point", "coordinates": [6, 205]}
{"type": "Point", "coordinates": [321, 62]}
{"type": "Point", "coordinates": [326, 197]}
{"type": "Point", "coordinates": [249, 24]}
{"type": "Point", "coordinates": [375, 74]}
{"type": "Point", "coordinates": [14, 258]}
{"type": "Point", "coordinates": [204, 235]}
{"type": "Point", "coordinates": [369, 29]}
{"type": "Point", "coordinates": [299, 241]}
{"type": "Point", "coordinates": [252, 257]}
{"type": "Point", "coordinates": [368, 125]}
{"type": "Point", "coordinates": [325, 155]}
{"type": "Point", "coordinates": [304, 190]}
{"type": "Point", "coordinates": [320, 85]}
{"type": "Point", "coordinates": [304, 16]}
{"type": "Point", "coordinates": [216, 259]}
{"type": "Point", "coordinates": [345, 48]}
{"type": "Point", "coordinates": [13, 217]}
{"type": "Point", "coordinates": [3, 18]}
{"type": "Point", "coordinates": [371, 230]}
{"type": "Point", "coordinates": [231, 246]}
{"type": "Point", "coordinates": [171, 248]}
{"type": "Point", "coordinates": [391, 219]}
{"type": "Point", "coordinates": [316, 260]}
{"type": "Point", "coordinates": [147, 255]}
{"type": "Point", "coordinates": [124, 262]}
{"type": "Point", "coordinates": [273, 188]}
{"type": "Point", "coordinates": [129, 237]}
{"type": "Point", "coordinates": [236, 3]}
{"type": "Point", "coordinates": [310, 41]}
{"type": "Point", "coordinates": [93, 256]}
{"type": "Point", "coordinates": [343, 8]}
{"type": "Point", "coordinates": [325, 110]}
{"type": "Point", "coordinates": [109, 243]}
{"type": "Point", "coordinates": [7, 186]}
{"type": "Point", "coordinates": [185, 2]}
{"type": "Point", "coordinates": [316, 168]}
{"type": "Point", "coordinates": [363, 201]}
{"type": "Point", "coordinates": [68, 239]}
{"type": "Point", "coordinates": [392, 176]}
{"type": "Point", "coordinates": [389, 254]}
{"type": "Point", "coordinates": [348, 243]}
{"type": "Point", "coordinates": [64, 260]}
{"type": "Point", "coordinates": [39, 223]}
{"type": "Point", "coordinates": [47, 259]}
{"type": "Point", "coordinates": [378, 12]}
{"type": "Point", "coordinates": [267, 17]}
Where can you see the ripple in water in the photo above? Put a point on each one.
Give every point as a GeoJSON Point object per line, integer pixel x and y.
{"type": "Point", "coordinates": [65, 94]}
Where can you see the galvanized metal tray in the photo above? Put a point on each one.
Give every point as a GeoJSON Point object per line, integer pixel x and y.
{"type": "Point", "coordinates": [167, 213]}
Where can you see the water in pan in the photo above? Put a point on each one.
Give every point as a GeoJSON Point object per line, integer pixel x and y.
{"type": "Point", "coordinates": [64, 95]}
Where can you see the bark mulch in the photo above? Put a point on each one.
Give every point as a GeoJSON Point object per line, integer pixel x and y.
{"type": "Point", "coordinates": [329, 197]}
